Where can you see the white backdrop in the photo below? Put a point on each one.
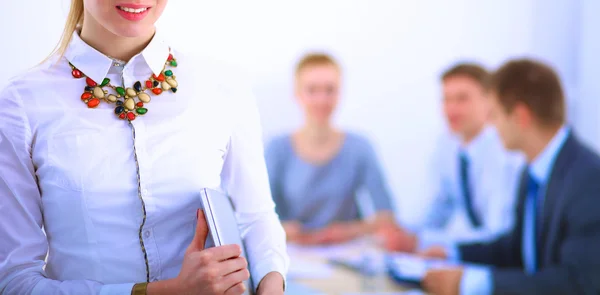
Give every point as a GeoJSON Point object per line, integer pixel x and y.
{"type": "Point", "coordinates": [392, 52]}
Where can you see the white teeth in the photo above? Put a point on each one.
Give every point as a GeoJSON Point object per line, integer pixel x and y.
{"type": "Point", "coordinates": [131, 10]}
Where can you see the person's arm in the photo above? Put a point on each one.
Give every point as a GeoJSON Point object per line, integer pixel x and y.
{"type": "Point", "coordinates": [374, 181]}
{"type": "Point", "coordinates": [23, 244]}
{"type": "Point", "coordinates": [504, 251]}
{"type": "Point", "coordinates": [442, 204]}
{"type": "Point", "coordinates": [274, 160]}
{"type": "Point", "coordinates": [245, 179]}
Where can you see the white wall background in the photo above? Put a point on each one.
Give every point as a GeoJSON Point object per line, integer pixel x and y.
{"type": "Point", "coordinates": [392, 52]}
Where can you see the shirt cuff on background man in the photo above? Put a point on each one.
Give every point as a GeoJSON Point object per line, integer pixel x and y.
{"type": "Point", "coordinates": [452, 252]}
{"type": "Point", "coordinates": [476, 280]}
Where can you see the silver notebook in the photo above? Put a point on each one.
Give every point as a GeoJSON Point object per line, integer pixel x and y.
{"type": "Point", "coordinates": [222, 225]}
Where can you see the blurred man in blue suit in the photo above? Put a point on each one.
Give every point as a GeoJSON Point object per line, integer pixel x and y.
{"type": "Point", "coordinates": [555, 245]}
{"type": "Point", "coordinates": [474, 177]}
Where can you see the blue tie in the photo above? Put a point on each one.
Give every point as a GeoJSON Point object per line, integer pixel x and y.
{"type": "Point", "coordinates": [530, 225]}
{"type": "Point", "coordinates": [466, 190]}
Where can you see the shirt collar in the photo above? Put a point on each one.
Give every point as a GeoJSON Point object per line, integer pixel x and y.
{"type": "Point", "coordinates": [96, 65]}
{"type": "Point", "coordinates": [478, 143]}
{"type": "Point", "coordinates": [541, 167]}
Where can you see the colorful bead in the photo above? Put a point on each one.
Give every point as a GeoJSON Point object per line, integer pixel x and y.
{"type": "Point", "coordinates": [120, 91]}
{"type": "Point", "coordinates": [129, 104]}
{"type": "Point", "coordinates": [141, 111]}
{"type": "Point", "coordinates": [111, 98]}
{"type": "Point", "coordinates": [168, 73]}
{"type": "Point", "coordinates": [88, 88]}
{"type": "Point", "coordinates": [94, 102]}
{"type": "Point", "coordinates": [170, 58]}
{"type": "Point", "coordinates": [144, 97]}
{"type": "Point", "coordinates": [131, 116]}
{"type": "Point", "coordinates": [98, 92]}
{"type": "Point", "coordinates": [160, 77]}
{"type": "Point", "coordinates": [148, 84]}
{"type": "Point", "coordinates": [172, 82]}
{"type": "Point", "coordinates": [119, 110]}
{"type": "Point", "coordinates": [157, 91]}
{"type": "Point", "coordinates": [154, 84]}
{"type": "Point", "coordinates": [173, 63]}
{"type": "Point", "coordinates": [90, 82]}
{"type": "Point", "coordinates": [165, 86]}
{"type": "Point", "coordinates": [122, 116]}
{"type": "Point", "coordinates": [119, 102]}
{"type": "Point", "coordinates": [139, 104]}
{"type": "Point", "coordinates": [130, 92]}
{"type": "Point", "coordinates": [174, 89]}
{"type": "Point", "coordinates": [105, 82]}
{"type": "Point", "coordinates": [86, 96]}
{"type": "Point", "coordinates": [137, 86]}
{"type": "Point", "coordinates": [77, 73]}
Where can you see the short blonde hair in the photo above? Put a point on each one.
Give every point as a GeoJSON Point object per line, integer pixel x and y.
{"type": "Point", "coordinates": [315, 59]}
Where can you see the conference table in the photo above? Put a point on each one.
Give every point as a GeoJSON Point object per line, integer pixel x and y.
{"type": "Point", "coordinates": [312, 273]}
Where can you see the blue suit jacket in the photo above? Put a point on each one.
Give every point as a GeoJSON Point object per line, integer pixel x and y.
{"type": "Point", "coordinates": [569, 251]}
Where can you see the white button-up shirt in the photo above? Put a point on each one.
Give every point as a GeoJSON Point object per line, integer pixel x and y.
{"type": "Point", "coordinates": [493, 177]}
{"type": "Point", "coordinates": [69, 174]}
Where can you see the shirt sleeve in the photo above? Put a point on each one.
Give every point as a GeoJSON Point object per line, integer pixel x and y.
{"type": "Point", "coordinates": [442, 205]}
{"type": "Point", "coordinates": [375, 181]}
{"type": "Point", "coordinates": [245, 179]}
{"type": "Point", "coordinates": [476, 280]}
{"type": "Point", "coordinates": [23, 244]}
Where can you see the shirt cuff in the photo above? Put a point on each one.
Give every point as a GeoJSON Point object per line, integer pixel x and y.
{"type": "Point", "coordinates": [476, 280]}
{"type": "Point", "coordinates": [453, 252]}
{"type": "Point", "coordinates": [117, 289]}
{"type": "Point", "coordinates": [260, 270]}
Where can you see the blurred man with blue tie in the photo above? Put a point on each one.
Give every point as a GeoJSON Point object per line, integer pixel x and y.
{"type": "Point", "coordinates": [555, 245]}
{"type": "Point", "coordinates": [474, 177]}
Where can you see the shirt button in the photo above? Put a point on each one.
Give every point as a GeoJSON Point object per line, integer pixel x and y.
{"type": "Point", "coordinates": [147, 234]}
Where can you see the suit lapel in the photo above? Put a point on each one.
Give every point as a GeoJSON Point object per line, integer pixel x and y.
{"type": "Point", "coordinates": [554, 192]}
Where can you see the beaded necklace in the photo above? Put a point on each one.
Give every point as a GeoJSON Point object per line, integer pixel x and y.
{"type": "Point", "coordinates": [130, 102]}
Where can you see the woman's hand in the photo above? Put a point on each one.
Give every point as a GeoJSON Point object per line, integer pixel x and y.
{"type": "Point", "coordinates": [271, 284]}
{"type": "Point", "coordinates": [397, 239]}
{"type": "Point", "coordinates": [213, 271]}
{"type": "Point", "coordinates": [333, 234]}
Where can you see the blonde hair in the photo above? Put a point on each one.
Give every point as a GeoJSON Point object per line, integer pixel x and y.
{"type": "Point", "coordinates": [74, 20]}
{"type": "Point", "coordinates": [316, 59]}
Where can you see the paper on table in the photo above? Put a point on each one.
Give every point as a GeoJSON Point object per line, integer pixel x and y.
{"type": "Point", "coordinates": [327, 252]}
{"type": "Point", "coordinates": [412, 267]}
{"type": "Point", "coordinates": [410, 292]}
{"type": "Point", "coordinates": [293, 288]}
{"type": "Point", "coordinates": [302, 269]}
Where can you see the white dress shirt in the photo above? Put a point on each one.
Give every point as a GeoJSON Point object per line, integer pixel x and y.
{"type": "Point", "coordinates": [68, 179]}
{"type": "Point", "coordinates": [493, 177]}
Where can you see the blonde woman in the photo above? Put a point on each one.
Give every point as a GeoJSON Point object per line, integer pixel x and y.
{"type": "Point", "coordinates": [103, 151]}
{"type": "Point", "coordinates": [317, 173]}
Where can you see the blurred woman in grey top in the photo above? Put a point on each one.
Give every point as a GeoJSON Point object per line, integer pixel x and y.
{"type": "Point", "coordinates": [327, 184]}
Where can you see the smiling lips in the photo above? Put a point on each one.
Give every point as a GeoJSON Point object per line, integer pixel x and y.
{"type": "Point", "coordinates": [133, 12]}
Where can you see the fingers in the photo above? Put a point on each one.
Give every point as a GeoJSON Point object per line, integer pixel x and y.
{"type": "Point", "coordinates": [222, 253]}
{"type": "Point", "coordinates": [429, 279]}
{"type": "Point", "coordinates": [232, 280]}
{"type": "Point", "coordinates": [237, 289]}
{"type": "Point", "coordinates": [199, 239]}
{"type": "Point", "coordinates": [233, 265]}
